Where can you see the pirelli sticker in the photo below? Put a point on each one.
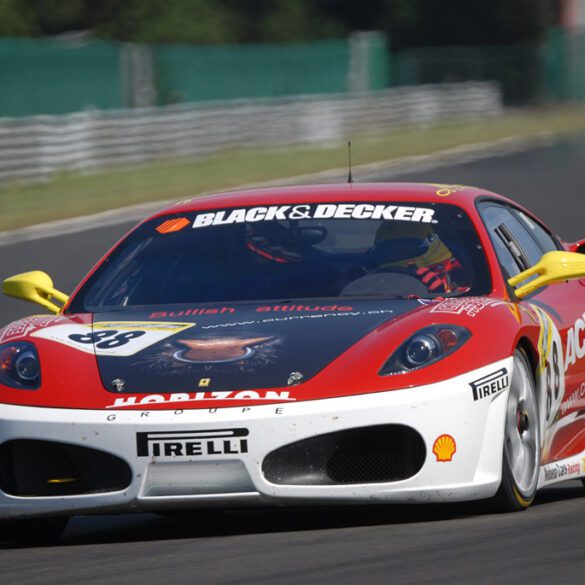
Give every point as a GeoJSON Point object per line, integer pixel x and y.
{"type": "Point", "coordinates": [380, 211]}
{"type": "Point", "coordinates": [490, 384]}
{"type": "Point", "coordinates": [112, 338]}
{"type": "Point", "coordinates": [192, 443]}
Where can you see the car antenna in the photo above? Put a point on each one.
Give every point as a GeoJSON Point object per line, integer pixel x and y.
{"type": "Point", "coordinates": [349, 176]}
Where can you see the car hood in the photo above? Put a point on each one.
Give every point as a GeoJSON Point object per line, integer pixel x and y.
{"type": "Point", "coordinates": [240, 347]}
{"type": "Point", "coordinates": [252, 354]}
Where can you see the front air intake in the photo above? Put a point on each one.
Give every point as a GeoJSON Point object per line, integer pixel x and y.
{"type": "Point", "coordinates": [376, 454]}
{"type": "Point", "coordinates": [31, 468]}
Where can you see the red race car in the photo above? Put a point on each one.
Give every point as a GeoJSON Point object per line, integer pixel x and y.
{"type": "Point", "coordinates": [332, 343]}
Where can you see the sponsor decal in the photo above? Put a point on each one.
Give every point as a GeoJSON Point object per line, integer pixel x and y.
{"type": "Point", "coordinates": [112, 338]}
{"type": "Point", "coordinates": [179, 412]}
{"type": "Point", "coordinates": [575, 342]}
{"type": "Point", "coordinates": [446, 190]}
{"type": "Point", "coordinates": [574, 401]}
{"type": "Point", "coordinates": [203, 397]}
{"type": "Point", "coordinates": [296, 317]}
{"type": "Point", "coordinates": [289, 308]}
{"type": "Point", "coordinates": [25, 327]}
{"type": "Point", "coordinates": [219, 349]}
{"type": "Point", "coordinates": [557, 471]}
{"type": "Point", "coordinates": [173, 225]}
{"type": "Point", "coordinates": [444, 448]}
{"type": "Point", "coordinates": [192, 443]}
{"type": "Point", "coordinates": [322, 211]}
{"type": "Point", "coordinates": [470, 306]}
{"type": "Point", "coordinates": [204, 382]}
{"type": "Point", "coordinates": [193, 311]}
{"type": "Point", "coordinates": [490, 384]}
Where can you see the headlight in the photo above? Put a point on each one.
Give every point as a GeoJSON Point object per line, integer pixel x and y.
{"type": "Point", "coordinates": [20, 366]}
{"type": "Point", "coordinates": [426, 347]}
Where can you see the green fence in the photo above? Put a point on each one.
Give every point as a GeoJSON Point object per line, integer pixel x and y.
{"type": "Point", "coordinates": [190, 74]}
{"type": "Point", "coordinates": [56, 77]}
{"type": "Point", "coordinates": [564, 66]}
{"type": "Point", "coordinates": [518, 68]}
{"type": "Point", "coordinates": [40, 76]}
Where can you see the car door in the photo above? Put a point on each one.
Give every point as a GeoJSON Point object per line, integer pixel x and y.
{"type": "Point", "coordinates": [519, 242]}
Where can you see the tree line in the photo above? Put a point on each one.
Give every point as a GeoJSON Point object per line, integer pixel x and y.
{"type": "Point", "coordinates": [408, 23]}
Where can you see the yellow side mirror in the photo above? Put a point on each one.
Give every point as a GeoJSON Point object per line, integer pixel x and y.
{"type": "Point", "coordinates": [36, 287]}
{"type": "Point", "coordinates": [552, 267]}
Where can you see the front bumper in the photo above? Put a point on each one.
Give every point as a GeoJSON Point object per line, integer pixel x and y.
{"type": "Point", "coordinates": [228, 472]}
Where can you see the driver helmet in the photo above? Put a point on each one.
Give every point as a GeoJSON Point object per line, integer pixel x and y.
{"type": "Point", "coordinates": [435, 250]}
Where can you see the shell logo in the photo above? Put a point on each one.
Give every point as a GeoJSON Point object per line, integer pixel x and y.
{"type": "Point", "coordinates": [444, 448]}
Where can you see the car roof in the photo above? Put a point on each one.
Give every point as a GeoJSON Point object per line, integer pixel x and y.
{"type": "Point", "coordinates": [463, 196]}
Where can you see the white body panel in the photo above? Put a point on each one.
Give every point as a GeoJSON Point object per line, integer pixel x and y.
{"type": "Point", "coordinates": [225, 480]}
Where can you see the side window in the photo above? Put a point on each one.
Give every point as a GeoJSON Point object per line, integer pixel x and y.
{"type": "Point", "coordinates": [515, 247]}
{"type": "Point", "coordinates": [543, 237]}
{"type": "Point", "coordinates": [493, 216]}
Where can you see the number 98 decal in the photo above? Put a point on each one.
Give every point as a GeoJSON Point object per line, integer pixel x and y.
{"type": "Point", "coordinates": [553, 382]}
{"type": "Point", "coordinates": [123, 338]}
{"type": "Point", "coordinates": [551, 379]}
{"type": "Point", "coordinates": [106, 339]}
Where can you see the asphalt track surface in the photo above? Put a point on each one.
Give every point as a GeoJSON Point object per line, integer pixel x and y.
{"type": "Point", "coordinates": [448, 544]}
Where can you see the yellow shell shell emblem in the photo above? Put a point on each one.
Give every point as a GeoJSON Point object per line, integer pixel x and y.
{"type": "Point", "coordinates": [444, 448]}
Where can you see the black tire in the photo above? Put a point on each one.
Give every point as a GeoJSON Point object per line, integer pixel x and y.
{"type": "Point", "coordinates": [32, 531]}
{"type": "Point", "coordinates": [521, 452]}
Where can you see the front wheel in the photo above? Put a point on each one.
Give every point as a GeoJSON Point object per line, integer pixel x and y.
{"type": "Point", "coordinates": [521, 460]}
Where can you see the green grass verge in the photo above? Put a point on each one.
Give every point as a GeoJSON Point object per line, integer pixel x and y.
{"type": "Point", "coordinates": [74, 194]}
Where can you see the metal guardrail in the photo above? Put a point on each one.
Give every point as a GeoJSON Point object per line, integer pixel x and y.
{"type": "Point", "coordinates": [33, 148]}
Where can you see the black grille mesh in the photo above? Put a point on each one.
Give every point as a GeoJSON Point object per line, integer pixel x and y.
{"type": "Point", "coordinates": [31, 468]}
{"type": "Point", "coordinates": [377, 454]}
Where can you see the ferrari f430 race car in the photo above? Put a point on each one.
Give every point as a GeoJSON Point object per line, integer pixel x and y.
{"type": "Point", "coordinates": [323, 344]}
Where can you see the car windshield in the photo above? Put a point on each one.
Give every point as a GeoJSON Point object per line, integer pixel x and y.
{"type": "Point", "coordinates": [276, 252]}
